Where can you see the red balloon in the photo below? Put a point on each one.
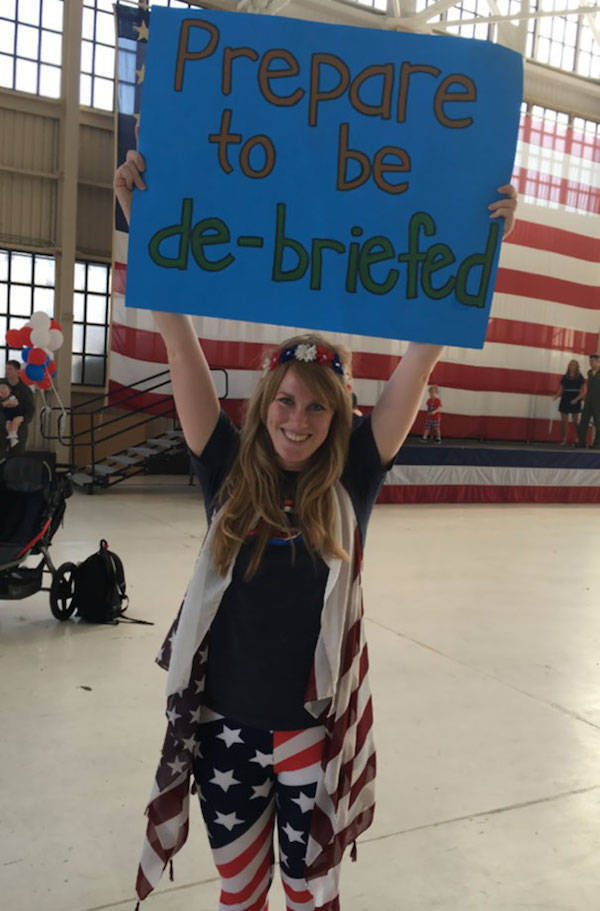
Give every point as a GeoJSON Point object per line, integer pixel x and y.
{"type": "Point", "coordinates": [46, 383]}
{"type": "Point", "coordinates": [24, 377]}
{"type": "Point", "coordinates": [26, 335]}
{"type": "Point", "coordinates": [51, 368]}
{"type": "Point", "coordinates": [54, 324]}
{"type": "Point", "coordinates": [14, 338]}
{"type": "Point", "coordinates": [37, 356]}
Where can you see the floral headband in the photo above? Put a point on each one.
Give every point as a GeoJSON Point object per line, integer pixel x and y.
{"type": "Point", "coordinates": [309, 354]}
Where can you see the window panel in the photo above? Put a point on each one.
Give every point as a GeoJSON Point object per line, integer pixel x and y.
{"type": "Point", "coordinates": [3, 265]}
{"type": "Point", "coordinates": [29, 11]}
{"type": "Point", "coordinates": [77, 369]}
{"type": "Point", "coordinates": [43, 299]}
{"type": "Point", "coordinates": [95, 339]}
{"type": "Point", "coordinates": [27, 41]}
{"type": "Point", "coordinates": [87, 56]}
{"type": "Point", "coordinates": [3, 300]}
{"type": "Point", "coordinates": [6, 71]}
{"type": "Point", "coordinates": [543, 50]}
{"type": "Point", "coordinates": [78, 307]}
{"type": "Point", "coordinates": [94, 371]}
{"type": "Point", "coordinates": [20, 300]}
{"type": "Point", "coordinates": [104, 61]}
{"type": "Point", "coordinates": [45, 270]}
{"type": "Point", "coordinates": [21, 267]}
{"type": "Point", "coordinates": [85, 90]}
{"type": "Point", "coordinates": [79, 283]}
{"type": "Point", "coordinates": [103, 94]}
{"type": "Point", "coordinates": [77, 338]}
{"type": "Point", "coordinates": [87, 24]}
{"type": "Point", "coordinates": [50, 77]}
{"type": "Point", "coordinates": [97, 309]}
{"type": "Point", "coordinates": [97, 277]}
{"type": "Point", "coordinates": [7, 37]}
{"type": "Point", "coordinates": [105, 28]}
{"type": "Point", "coordinates": [586, 41]}
{"type": "Point", "coordinates": [52, 14]}
{"type": "Point", "coordinates": [51, 48]}
{"type": "Point", "coordinates": [26, 76]}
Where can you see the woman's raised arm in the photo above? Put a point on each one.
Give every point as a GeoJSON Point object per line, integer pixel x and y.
{"type": "Point", "coordinates": [397, 407]}
{"type": "Point", "coordinates": [398, 404]}
{"type": "Point", "coordinates": [193, 388]}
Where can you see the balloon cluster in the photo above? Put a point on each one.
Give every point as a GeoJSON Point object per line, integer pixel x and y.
{"type": "Point", "coordinates": [38, 340]}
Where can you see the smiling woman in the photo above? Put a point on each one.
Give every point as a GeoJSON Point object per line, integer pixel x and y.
{"type": "Point", "coordinates": [297, 424]}
{"type": "Point", "coordinates": [267, 655]}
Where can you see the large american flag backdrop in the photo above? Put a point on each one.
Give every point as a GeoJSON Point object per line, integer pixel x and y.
{"type": "Point", "coordinates": [546, 307]}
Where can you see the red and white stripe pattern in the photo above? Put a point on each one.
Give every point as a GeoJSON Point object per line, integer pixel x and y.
{"type": "Point", "coordinates": [245, 866]}
{"type": "Point", "coordinates": [545, 311]}
{"type": "Point", "coordinates": [338, 694]}
{"type": "Point", "coordinates": [292, 759]}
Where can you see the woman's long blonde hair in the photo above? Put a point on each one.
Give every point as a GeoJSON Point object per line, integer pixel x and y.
{"type": "Point", "coordinates": [251, 495]}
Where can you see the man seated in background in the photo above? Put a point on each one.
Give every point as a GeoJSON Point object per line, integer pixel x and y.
{"type": "Point", "coordinates": [24, 396]}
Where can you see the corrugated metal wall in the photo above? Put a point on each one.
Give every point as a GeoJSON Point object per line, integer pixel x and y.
{"type": "Point", "coordinates": [30, 137]}
{"type": "Point", "coordinates": [28, 177]}
{"type": "Point", "coordinates": [94, 196]}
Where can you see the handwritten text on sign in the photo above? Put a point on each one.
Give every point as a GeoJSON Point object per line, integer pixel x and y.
{"type": "Point", "coordinates": [322, 176]}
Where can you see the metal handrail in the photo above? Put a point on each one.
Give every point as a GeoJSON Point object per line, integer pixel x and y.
{"type": "Point", "coordinates": [103, 395]}
{"type": "Point", "coordinates": [128, 393]}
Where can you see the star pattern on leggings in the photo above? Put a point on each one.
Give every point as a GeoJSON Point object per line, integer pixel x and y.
{"type": "Point", "coordinates": [230, 736]}
{"type": "Point", "coordinates": [224, 780]}
{"type": "Point", "coordinates": [293, 834]}
{"type": "Point", "coordinates": [305, 803]}
{"type": "Point", "coordinates": [263, 759]}
{"type": "Point", "coordinates": [261, 790]}
{"type": "Point", "coordinates": [229, 820]}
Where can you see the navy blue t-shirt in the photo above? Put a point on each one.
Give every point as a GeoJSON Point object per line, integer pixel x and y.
{"type": "Point", "coordinates": [263, 639]}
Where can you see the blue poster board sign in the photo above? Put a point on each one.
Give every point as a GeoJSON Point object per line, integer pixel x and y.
{"type": "Point", "coordinates": [324, 177]}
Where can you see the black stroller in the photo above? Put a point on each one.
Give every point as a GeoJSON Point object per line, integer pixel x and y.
{"type": "Point", "coordinates": [32, 504]}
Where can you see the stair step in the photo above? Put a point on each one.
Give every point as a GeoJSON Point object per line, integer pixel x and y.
{"type": "Point", "coordinates": [126, 459]}
{"type": "Point", "coordinates": [106, 469]}
{"type": "Point", "coordinates": [163, 443]}
{"type": "Point", "coordinates": [174, 434]}
{"type": "Point", "coordinates": [80, 477]}
{"type": "Point", "coordinates": [143, 450]}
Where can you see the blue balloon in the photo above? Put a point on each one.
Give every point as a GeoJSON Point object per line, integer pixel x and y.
{"type": "Point", "coordinates": [25, 354]}
{"type": "Point", "coordinates": [35, 372]}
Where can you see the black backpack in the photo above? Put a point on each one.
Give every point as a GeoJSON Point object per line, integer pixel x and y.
{"type": "Point", "coordinates": [100, 589]}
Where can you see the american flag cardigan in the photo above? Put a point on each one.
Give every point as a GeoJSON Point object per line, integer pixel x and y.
{"type": "Point", "coordinates": [338, 694]}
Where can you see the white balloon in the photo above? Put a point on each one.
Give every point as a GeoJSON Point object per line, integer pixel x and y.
{"type": "Point", "coordinates": [55, 339]}
{"type": "Point", "coordinates": [40, 320]}
{"type": "Point", "coordinates": [40, 338]}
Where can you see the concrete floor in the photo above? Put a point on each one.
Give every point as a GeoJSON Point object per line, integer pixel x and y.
{"type": "Point", "coordinates": [484, 629]}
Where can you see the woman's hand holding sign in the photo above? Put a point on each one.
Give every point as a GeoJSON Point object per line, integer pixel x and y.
{"type": "Point", "coordinates": [128, 176]}
{"type": "Point", "coordinates": [505, 208]}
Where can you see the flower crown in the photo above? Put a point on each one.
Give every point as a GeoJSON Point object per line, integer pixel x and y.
{"type": "Point", "coordinates": [309, 354]}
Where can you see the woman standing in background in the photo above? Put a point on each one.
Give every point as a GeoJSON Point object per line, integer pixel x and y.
{"type": "Point", "coordinates": [570, 402]}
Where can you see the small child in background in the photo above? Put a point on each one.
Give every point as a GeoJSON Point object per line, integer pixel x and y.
{"type": "Point", "coordinates": [13, 413]}
{"type": "Point", "coordinates": [434, 415]}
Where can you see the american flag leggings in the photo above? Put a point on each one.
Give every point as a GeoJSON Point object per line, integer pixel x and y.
{"type": "Point", "coordinates": [247, 780]}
